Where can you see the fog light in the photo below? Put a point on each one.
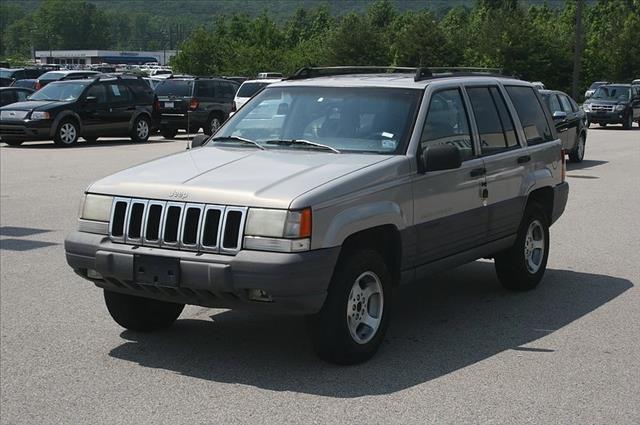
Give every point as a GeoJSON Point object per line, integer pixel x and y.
{"type": "Point", "coordinates": [259, 295]}
{"type": "Point", "coordinates": [92, 274]}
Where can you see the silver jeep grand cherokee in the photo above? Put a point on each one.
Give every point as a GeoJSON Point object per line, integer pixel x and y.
{"type": "Point", "coordinates": [324, 193]}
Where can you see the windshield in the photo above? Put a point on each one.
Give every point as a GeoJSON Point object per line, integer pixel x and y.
{"type": "Point", "coordinates": [174, 88]}
{"type": "Point", "coordinates": [364, 119]}
{"type": "Point", "coordinates": [62, 91]}
{"type": "Point", "coordinates": [52, 75]}
{"type": "Point", "coordinates": [249, 89]}
{"type": "Point", "coordinates": [6, 73]}
{"type": "Point", "coordinates": [596, 85]}
{"type": "Point", "coordinates": [612, 93]}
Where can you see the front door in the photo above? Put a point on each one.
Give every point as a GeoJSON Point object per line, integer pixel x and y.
{"type": "Point", "coordinates": [449, 215]}
{"type": "Point", "coordinates": [94, 112]}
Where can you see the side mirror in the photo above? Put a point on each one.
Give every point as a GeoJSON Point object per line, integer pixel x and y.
{"type": "Point", "coordinates": [198, 141]}
{"type": "Point", "coordinates": [441, 157]}
{"type": "Point", "coordinates": [559, 116]}
{"type": "Point", "coordinates": [91, 99]}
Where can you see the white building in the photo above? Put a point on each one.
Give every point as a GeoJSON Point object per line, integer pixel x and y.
{"type": "Point", "coordinates": [89, 57]}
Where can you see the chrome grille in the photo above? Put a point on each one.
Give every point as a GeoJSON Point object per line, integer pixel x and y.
{"type": "Point", "coordinates": [177, 225]}
{"type": "Point", "coordinates": [603, 108]}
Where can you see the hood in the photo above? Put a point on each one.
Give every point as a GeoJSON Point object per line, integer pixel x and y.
{"type": "Point", "coordinates": [32, 105]}
{"type": "Point", "coordinates": [234, 176]}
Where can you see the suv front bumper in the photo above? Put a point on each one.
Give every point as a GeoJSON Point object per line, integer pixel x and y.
{"type": "Point", "coordinates": [25, 130]}
{"type": "Point", "coordinates": [607, 117]}
{"type": "Point", "coordinates": [296, 283]}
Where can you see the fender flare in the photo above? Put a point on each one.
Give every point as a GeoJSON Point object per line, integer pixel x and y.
{"type": "Point", "coordinates": [61, 116]}
{"type": "Point", "coordinates": [362, 217]}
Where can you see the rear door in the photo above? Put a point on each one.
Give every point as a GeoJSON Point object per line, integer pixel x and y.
{"type": "Point", "coordinates": [449, 215]}
{"type": "Point", "coordinates": [122, 108]}
{"type": "Point", "coordinates": [504, 159]}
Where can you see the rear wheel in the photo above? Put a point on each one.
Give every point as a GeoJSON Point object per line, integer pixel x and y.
{"type": "Point", "coordinates": [66, 134]}
{"type": "Point", "coordinates": [577, 154]}
{"type": "Point", "coordinates": [168, 133]}
{"type": "Point", "coordinates": [141, 128]}
{"type": "Point", "coordinates": [141, 314]}
{"type": "Point", "coordinates": [14, 142]}
{"type": "Point", "coordinates": [212, 125]}
{"type": "Point", "coordinates": [521, 267]}
{"type": "Point", "coordinates": [352, 322]}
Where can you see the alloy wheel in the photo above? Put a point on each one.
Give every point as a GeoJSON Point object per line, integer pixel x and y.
{"type": "Point", "coordinates": [534, 247]}
{"type": "Point", "coordinates": [365, 307]}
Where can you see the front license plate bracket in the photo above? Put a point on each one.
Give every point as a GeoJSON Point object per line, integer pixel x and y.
{"type": "Point", "coordinates": [154, 270]}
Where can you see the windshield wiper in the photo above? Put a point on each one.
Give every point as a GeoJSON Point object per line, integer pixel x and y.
{"type": "Point", "coordinates": [238, 139]}
{"type": "Point", "coordinates": [294, 142]}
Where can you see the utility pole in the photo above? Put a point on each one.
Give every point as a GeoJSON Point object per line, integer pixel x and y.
{"type": "Point", "coordinates": [577, 54]}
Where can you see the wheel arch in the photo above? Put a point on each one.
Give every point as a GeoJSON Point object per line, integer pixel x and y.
{"type": "Point", "coordinates": [63, 116]}
{"type": "Point", "coordinates": [544, 197]}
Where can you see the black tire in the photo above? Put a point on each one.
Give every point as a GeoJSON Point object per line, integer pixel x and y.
{"type": "Point", "coordinates": [602, 124]}
{"type": "Point", "coordinates": [211, 126]}
{"type": "Point", "coordinates": [512, 266]}
{"type": "Point", "coordinates": [168, 133]}
{"type": "Point", "coordinates": [141, 129]}
{"type": "Point", "coordinates": [141, 314]}
{"type": "Point", "coordinates": [67, 133]}
{"type": "Point", "coordinates": [577, 154]}
{"type": "Point", "coordinates": [330, 330]}
{"type": "Point", "coordinates": [14, 142]}
{"type": "Point", "coordinates": [628, 122]}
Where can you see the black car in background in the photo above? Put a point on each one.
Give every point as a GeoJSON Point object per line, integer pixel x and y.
{"type": "Point", "coordinates": [9, 75]}
{"type": "Point", "coordinates": [89, 108]}
{"type": "Point", "coordinates": [570, 122]}
{"type": "Point", "coordinates": [614, 104]}
{"type": "Point", "coordinates": [191, 103]}
{"type": "Point", "coordinates": [9, 95]}
{"type": "Point", "coordinates": [51, 76]}
{"type": "Point", "coordinates": [30, 83]}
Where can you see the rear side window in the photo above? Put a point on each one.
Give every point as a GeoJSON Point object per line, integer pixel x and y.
{"type": "Point", "coordinates": [226, 91]}
{"type": "Point", "coordinates": [118, 93]}
{"type": "Point", "coordinates": [172, 87]}
{"type": "Point", "coordinates": [249, 89]}
{"type": "Point", "coordinates": [495, 126]}
{"type": "Point", "coordinates": [534, 122]}
{"type": "Point", "coordinates": [447, 123]}
{"type": "Point", "coordinates": [205, 89]}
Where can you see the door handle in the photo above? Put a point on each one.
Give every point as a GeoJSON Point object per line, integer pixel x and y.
{"type": "Point", "coordinates": [523, 159]}
{"type": "Point", "coordinates": [476, 172]}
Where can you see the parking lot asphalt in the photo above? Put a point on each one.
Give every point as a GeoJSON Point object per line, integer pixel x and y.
{"type": "Point", "coordinates": [459, 349]}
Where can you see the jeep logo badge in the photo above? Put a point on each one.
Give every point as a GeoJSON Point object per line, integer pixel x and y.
{"type": "Point", "coordinates": [179, 195]}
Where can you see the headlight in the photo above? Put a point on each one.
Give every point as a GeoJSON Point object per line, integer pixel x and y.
{"type": "Point", "coordinates": [39, 115]}
{"type": "Point", "coordinates": [620, 107]}
{"type": "Point", "coordinates": [278, 230]}
{"type": "Point", "coordinates": [586, 107]}
{"type": "Point", "coordinates": [96, 207]}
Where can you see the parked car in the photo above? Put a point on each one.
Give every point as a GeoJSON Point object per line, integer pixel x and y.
{"type": "Point", "coordinates": [636, 82]}
{"type": "Point", "coordinates": [592, 88]}
{"type": "Point", "coordinates": [9, 95]}
{"type": "Point", "coordinates": [570, 121]}
{"type": "Point", "coordinates": [51, 76]}
{"type": "Point", "coordinates": [30, 83]}
{"type": "Point", "coordinates": [9, 75]}
{"type": "Point", "coordinates": [250, 88]}
{"type": "Point", "coordinates": [614, 104]}
{"type": "Point", "coordinates": [356, 184]}
{"type": "Point", "coordinates": [191, 103]}
{"type": "Point", "coordinates": [88, 108]}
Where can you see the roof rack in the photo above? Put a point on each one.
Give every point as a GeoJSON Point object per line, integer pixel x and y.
{"type": "Point", "coordinates": [114, 76]}
{"type": "Point", "coordinates": [420, 73]}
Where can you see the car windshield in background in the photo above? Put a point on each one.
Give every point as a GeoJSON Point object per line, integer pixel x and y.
{"type": "Point", "coordinates": [621, 93]}
{"type": "Point", "coordinates": [249, 89]}
{"type": "Point", "coordinates": [373, 120]}
{"type": "Point", "coordinates": [172, 87]}
{"type": "Point", "coordinates": [596, 85]}
{"type": "Point", "coordinates": [61, 91]}
{"type": "Point", "coordinates": [52, 75]}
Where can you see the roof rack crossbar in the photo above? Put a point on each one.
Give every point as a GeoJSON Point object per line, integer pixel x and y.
{"type": "Point", "coordinates": [420, 73]}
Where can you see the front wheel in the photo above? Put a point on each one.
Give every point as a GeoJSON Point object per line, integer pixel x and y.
{"type": "Point", "coordinates": [352, 322]}
{"type": "Point", "coordinates": [603, 124]}
{"type": "Point", "coordinates": [577, 154]}
{"type": "Point", "coordinates": [628, 123]}
{"type": "Point", "coordinates": [521, 267]}
{"type": "Point", "coordinates": [141, 314]}
{"type": "Point", "coordinates": [67, 134]}
{"type": "Point", "coordinates": [140, 131]}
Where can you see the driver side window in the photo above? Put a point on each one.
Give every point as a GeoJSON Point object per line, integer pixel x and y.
{"type": "Point", "coordinates": [447, 123]}
{"type": "Point", "coordinates": [99, 92]}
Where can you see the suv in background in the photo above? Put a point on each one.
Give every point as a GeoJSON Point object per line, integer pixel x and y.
{"type": "Point", "coordinates": [51, 76]}
{"type": "Point", "coordinates": [191, 103]}
{"type": "Point", "coordinates": [614, 104]}
{"type": "Point", "coordinates": [592, 88]}
{"type": "Point", "coordinates": [324, 193]}
{"type": "Point", "coordinates": [570, 121]}
{"type": "Point", "coordinates": [9, 75]}
{"type": "Point", "coordinates": [88, 108]}
{"type": "Point", "coordinates": [250, 88]}
{"type": "Point", "coordinates": [9, 95]}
